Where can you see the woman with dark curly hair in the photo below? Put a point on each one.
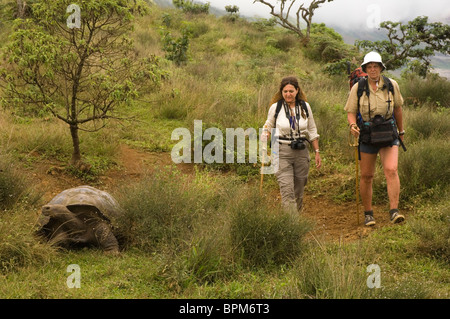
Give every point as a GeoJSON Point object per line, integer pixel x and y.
{"type": "Point", "coordinates": [292, 116]}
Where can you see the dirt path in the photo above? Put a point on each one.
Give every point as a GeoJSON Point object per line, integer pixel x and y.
{"type": "Point", "coordinates": [334, 222]}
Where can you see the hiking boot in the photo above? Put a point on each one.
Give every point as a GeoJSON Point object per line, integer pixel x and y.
{"type": "Point", "coordinates": [368, 218]}
{"type": "Point", "coordinates": [396, 217]}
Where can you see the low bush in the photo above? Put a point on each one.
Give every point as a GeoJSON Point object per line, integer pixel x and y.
{"type": "Point", "coordinates": [263, 237]}
{"type": "Point", "coordinates": [434, 90]}
{"type": "Point", "coordinates": [424, 169]}
{"type": "Point", "coordinates": [331, 272]}
{"type": "Point", "coordinates": [14, 186]}
{"type": "Point", "coordinates": [164, 210]}
{"type": "Point", "coordinates": [19, 246]}
{"type": "Point", "coordinates": [425, 122]}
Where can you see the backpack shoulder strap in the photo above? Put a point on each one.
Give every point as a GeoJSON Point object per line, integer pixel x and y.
{"type": "Point", "coordinates": [362, 87]}
{"type": "Point", "coordinates": [277, 110]}
{"type": "Point", "coordinates": [388, 83]}
{"type": "Point", "coordinates": [280, 104]}
{"type": "Point", "coordinates": [304, 107]}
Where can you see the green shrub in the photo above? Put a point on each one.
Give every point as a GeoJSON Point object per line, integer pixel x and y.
{"type": "Point", "coordinates": [164, 209]}
{"type": "Point", "coordinates": [264, 237]}
{"type": "Point", "coordinates": [18, 245]}
{"type": "Point", "coordinates": [176, 48]}
{"type": "Point", "coordinates": [433, 90]}
{"type": "Point", "coordinates": [189, 6]}
{"type": "Point", "coordinates": [424, 169]}
{"type": "Point", "coordinates": [331, 272]}
{"type": "Point", "coordinates": [14, 186]}
{"type": "Point", "coordinates": [424, 122]}
{"type": "Point", "coordinates": [325, 45]}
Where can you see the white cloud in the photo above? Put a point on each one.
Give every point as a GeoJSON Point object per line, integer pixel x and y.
{"type": "Point", "coordinates": [354, 13]}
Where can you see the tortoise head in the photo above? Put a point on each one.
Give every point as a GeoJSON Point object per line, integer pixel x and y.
{"type": "Point", "coordinates": [56, 211]}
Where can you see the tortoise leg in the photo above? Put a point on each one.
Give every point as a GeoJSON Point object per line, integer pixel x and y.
{"type": "Point", "coordinates": [106, 238]}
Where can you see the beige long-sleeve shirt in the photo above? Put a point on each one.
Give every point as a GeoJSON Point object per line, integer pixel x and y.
{"type": "Point", "coordinates": [307, 126]}
{"type": "Point", "coordinates": [378, 101]}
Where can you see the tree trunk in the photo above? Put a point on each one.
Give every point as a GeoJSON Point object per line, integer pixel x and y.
{"type": "Point", "coordinates": [76, 155]}
{"type": "Point", "coordinates": [21, 8]}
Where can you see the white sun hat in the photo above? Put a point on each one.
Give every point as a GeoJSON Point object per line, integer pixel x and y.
{"type": "Point", "coordinates": [372, 57]}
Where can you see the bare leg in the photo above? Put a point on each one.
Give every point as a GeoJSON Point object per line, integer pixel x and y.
{"type": "Point", "coordinates": [389, 159]}
{"type": "Point", "coordinates": [367, 165]}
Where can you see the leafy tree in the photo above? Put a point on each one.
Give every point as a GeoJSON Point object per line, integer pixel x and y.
{"type": "Point", "coordinates": [232, 9]}
{"type": "Point", "coordinates": [176, 48]}
{"type": "Point", "coordinates": [189, 6]}
{"type": "Point", "coordinates": [326, 45]}
{"type": "Point", "coordinates": [413, 44]}
{"type": "Point", "coordinates": [284, 20]}
{"type": "Point", "coordinates": [81, 74]}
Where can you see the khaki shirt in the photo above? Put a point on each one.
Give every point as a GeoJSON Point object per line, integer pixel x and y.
{"type": "Point", "coordinates": [378, 101]}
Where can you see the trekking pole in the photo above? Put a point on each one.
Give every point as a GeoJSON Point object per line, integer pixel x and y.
{"type": "Point", "coordinates": [355, 145]}
{"type": "Point", "coordinates": [262, 173]}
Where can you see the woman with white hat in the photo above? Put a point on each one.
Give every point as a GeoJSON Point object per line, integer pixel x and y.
{"type": "Point", "coordinates": [380, 102]}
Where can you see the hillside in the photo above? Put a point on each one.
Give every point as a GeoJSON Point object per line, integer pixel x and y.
{"type": "Point", "coordinates": [210, 231]}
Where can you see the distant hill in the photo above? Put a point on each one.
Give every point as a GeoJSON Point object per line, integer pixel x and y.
{"type": "Point", "coordinates": [440, 62]}
{"type": "Point", "coordinates": [163, 3]}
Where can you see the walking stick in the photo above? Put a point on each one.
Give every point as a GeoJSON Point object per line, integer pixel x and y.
{"type": "Point", "coordinates": [355, 145]}
{"type": "Point", "coordinates": [262, 173]}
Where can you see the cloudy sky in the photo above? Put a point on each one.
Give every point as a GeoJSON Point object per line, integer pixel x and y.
{"type": "Point", "coordinates": [354, 13]}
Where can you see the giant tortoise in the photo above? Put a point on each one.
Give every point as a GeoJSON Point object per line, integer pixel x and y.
{"type": "Point", "coordinates": [80, 217]}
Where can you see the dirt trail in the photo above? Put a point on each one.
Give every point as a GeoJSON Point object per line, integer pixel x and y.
{"type": "Point", "coordinates": [334, 222]}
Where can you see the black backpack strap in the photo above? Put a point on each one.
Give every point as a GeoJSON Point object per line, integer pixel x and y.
{"type": "Point", "coordinates": [277, 110]}
{"type": "Point", "coordinates": [280, 104]}
{"type": "Point", "coordinates": [388, 83]}
{"type": "Point", "coordinates": [362, 87]}
{"type": "Point", "coordinates": [304, 107]}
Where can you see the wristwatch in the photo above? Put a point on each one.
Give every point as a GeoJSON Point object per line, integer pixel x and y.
{"type": "Point", "coordinates": [401, 133]}
{"type": "Point", "coordinates": [317, 151]}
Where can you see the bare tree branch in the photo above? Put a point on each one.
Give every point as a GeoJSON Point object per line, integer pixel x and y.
{"type": "Point", "coordinates": [304, 13]}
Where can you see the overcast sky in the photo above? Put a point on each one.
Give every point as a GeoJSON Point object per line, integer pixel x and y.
{"type": "Point", "coordinates": [354, 13]}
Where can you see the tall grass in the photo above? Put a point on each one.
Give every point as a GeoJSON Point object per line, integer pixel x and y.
{"type": "Point", "coordinates": [434, 90]}
{"type": "Point", "coordinates": [424, 169]}
{"type": "Point", "coordinates": [327, 272]}
{"type": "Point", "coordinates": [19, 247]}
{"type": "Point", "coordinates": [425, 122]}
{"type": "Point", "coordinates": [432, 226]}
{"type": "Point", "coordinates": [15, 190]}
{"type": "Point", "coordinates": [263, 238]}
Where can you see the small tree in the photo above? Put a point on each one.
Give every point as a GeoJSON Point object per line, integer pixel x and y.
{"type": "Point", "coordinates": [80, 73]}
{"type": "Point", "coordinates": [233, 12]}
{"type": "Point", "coordinates": [302, 13]}
{"type": "Point", "coordinates": [176, 48]}
{"type": "Point", "coordinates": [189, 6]}
{"type": "Point", "coordinates": [413, 43]}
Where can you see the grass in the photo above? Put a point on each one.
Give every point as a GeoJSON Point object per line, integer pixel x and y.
{"type": "Point", "coordinates": [211, 234]}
